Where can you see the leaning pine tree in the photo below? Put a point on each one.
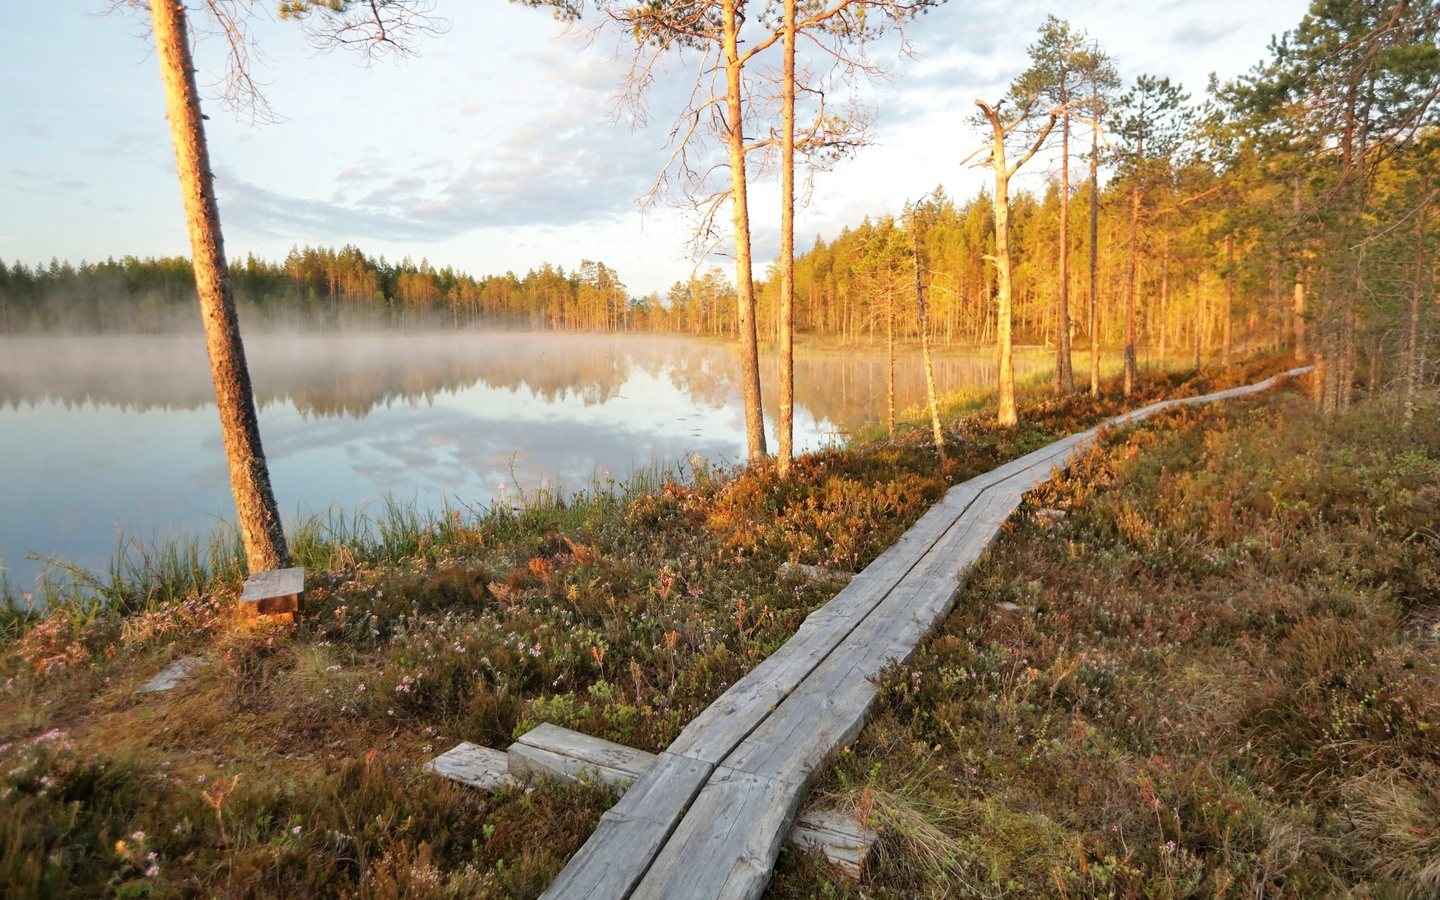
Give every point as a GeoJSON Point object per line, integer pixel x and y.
{"type": "Point", "coordinates": [375, 28]}
{"type": "Point", "coordinates": [239, 425]}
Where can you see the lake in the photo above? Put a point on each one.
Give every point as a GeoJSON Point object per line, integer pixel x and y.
{"type": "Point", "coordinates": [104, 436]}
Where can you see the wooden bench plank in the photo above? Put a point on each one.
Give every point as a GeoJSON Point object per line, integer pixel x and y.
{"type": "Point", "coordinates": [275, 592]}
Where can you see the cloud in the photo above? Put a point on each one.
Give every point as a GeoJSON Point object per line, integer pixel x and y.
{"type": "Point", "coordinates": [1197, 34]}
{"type": "Point", "coordinates": [45, 183]}
{"type": "Point", "coordinates": [559, 168]}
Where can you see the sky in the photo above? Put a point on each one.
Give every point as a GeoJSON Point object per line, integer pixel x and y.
{"type": "Point", "coordinates": [500, 145]}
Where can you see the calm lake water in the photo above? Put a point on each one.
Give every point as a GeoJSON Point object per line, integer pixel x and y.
{"type": "Point", "coordinates": [108, 436]}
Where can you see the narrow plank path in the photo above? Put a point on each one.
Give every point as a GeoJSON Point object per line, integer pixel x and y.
{"type": "Point", "coordinates": [709, 816]}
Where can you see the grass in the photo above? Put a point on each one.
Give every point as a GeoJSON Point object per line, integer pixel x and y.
{"type": "Point", "coordinates": [290, 764]}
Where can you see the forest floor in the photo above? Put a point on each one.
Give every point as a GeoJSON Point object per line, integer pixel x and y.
{"type": "Point", "coordinates": [1215, 673]}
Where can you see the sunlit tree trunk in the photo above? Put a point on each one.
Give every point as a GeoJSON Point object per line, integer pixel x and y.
{"type": "Point", "coordinates": [1008, 415]}
{"type": "Point", "coordinates": [745, 283]}
{"type": "Point", "coordinates": [1164, 294]}
{"type": "Point", "coordinates": [1095, 261]}
{"type": "Point", "coordinates": [259, 518]}
{"type": "Point", "coordinates": [1228, 324]}
{"type": "Point", "coordinates": [787, 249]}
{"type": "Point", "coordinates": [1065, 373]}
{"type": "Point", "coordinates": [890, 363]}
{"type": "Point", "coordinates": [1412, 350]}
{"type": "Point", "coordinates": [1130, 278]}
{"type": "Point", "coordinates": [1302, 349]}
{"type": "Point", "coordinates": [1199, 315]}
{"type": "Point", "coordinates": [925, 338]}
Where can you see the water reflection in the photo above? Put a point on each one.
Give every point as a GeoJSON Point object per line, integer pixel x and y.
{"type": "Point", "coordinates": [99, 434]}
{"type": "Point", "coordinates": [332, 375]}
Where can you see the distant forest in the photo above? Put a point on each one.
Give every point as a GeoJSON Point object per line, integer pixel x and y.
{"type": "Point", "coordinates": [1218, 264]}
{"type": "Point", "coordinates": [850, 287]}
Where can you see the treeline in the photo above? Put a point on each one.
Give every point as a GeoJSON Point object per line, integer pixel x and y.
{"type": "Point", "coordinates": [315, 286]}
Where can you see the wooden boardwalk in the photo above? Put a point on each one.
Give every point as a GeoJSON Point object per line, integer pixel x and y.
{"type": "Point", "coordinates": [708, 817]}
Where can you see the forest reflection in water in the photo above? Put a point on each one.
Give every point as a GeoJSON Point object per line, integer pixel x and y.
{"type": "Point", "coordinates": [119, 432]}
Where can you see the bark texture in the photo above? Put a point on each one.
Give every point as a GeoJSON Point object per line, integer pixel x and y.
{"type": "Point", "coordinates": [740, 207]}
{"type": "Point", "coordinates": [255, 507]}
{"type": "Point", "coordinates": [1065, 380]}
{"type": "Point", "coordinates": [786, 451]}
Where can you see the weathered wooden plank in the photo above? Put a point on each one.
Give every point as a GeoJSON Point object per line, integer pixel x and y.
{"type": "Point", "coordinates": [829, 709]}
{"type": "Point", "coordinates": [632, 832]}
{"type": "Point", "coordinates": [726, 846]}
{"type": "Point", "coordinates": [845, 843]}
{"type": "Point", "coordinates": [472, 764]}
{"type": "Point", "coordinates": [737, 712]}
{"type": "Point", "coordinates": [587, 750]}
{"type": "Point", "coordinates": [726, 837]}
{"type": "Point", "coordinates": [275, 592]}
{"type": "Point", "coordinates": [170, 676]}
{"type": "Point", "coordinates": [533, 762]}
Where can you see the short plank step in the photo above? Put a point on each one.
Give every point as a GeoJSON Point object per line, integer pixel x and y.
{"type": "Point", "coordinates": [275, 592]}
{"type": "Point", "coordinates": [550, 751]}
{"type": "Point", "coordinates": [168, 677]}
{"type": "Point", "coordinates": [845, 843]}
{"type": "Point", "coordinates": [472, 764]}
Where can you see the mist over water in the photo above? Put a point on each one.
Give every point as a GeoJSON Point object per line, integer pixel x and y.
{"type": "Point", "coordinates": [104, 435]}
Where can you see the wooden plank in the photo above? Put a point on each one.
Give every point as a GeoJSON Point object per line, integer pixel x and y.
{"type": "Point", "coordinates": [721, 726]}
{"type": "Point", "coordinates": [587, 750]}
{"type": "Point", "coordinates": [532, 762]}
{"type": "Point", "coordinates": [632, 832]}
{"type": "Point", "coordinates": [726, 846]}
{"type": "Point", "coordinates": [472, 764]}
{"type": "Point", "coordinates": [829, 709]}
{"type": "Point", "coordinates": [730, 837]}
{"type": "Point", "coordinates": [170, 676]}
{"type": "Point", "coordinates": [275, 592]}
{"type": "Point", "coordinates": [846, 844]}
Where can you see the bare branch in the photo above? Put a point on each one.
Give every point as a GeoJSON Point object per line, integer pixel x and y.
{"type": "Point", "coordinates": [376, 28]}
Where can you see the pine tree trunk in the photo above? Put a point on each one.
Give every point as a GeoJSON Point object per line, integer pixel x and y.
{"type": "Point", "coordinates": [890, 365]}
{"type": "Point", "coordinates": [745, 282]}
{"type": "Point", "coordinates": [1008, 415]}
{"type": "Point", "coordinates": [925, 339]}
{"type": "Point", "coordinates": [1302, 349]}
{"type": "Point", "coordinates": [1065, 374]}
{"type": "Point", "coordinates": [1225, 341]}
{"type": "Point", "coordinates": [1412, 350]}
{"type": "Point", "coordinates": [255, 507]}
{"type": "Point", "coordinates": [786, 439]}
{"type": "Point", "coordinates": [1199, 315]}
{"type": "Point", "coordinates": [1095, 262]}
{"type": "Point", "coordinates": [1130, 279]}
{"type": "Point", "coordinates": [1164, 295]}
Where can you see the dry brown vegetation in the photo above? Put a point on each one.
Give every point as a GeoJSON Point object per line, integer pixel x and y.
{"type": "Point", "coordinates": [1218, 674]}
